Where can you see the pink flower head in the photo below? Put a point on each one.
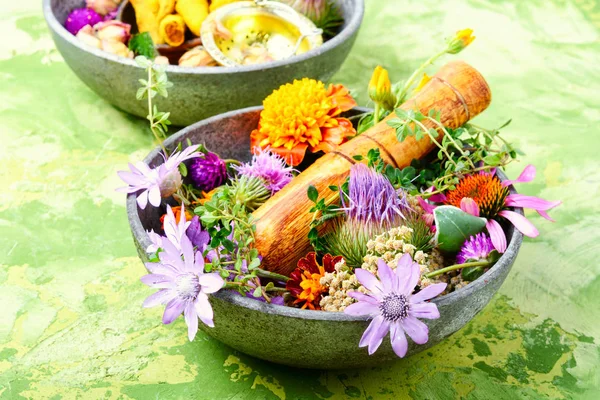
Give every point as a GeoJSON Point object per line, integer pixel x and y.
{"type": "Point", "coordinates": [270, 168]}
{"type": "Point", "coordinates": [392, 305]}
{"type": "Point", "coordinates": [184, 286]}
{"type": "Point", "coordinates": [156, 183]}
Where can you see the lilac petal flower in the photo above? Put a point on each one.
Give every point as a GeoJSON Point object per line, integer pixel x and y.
{"type": "Point", "coordinates": [270, 168]}
{"type": "Point", "coordinates": [154, 183]}
{"type": "Point", "coordinates": [372, 198]}
{"type": "Point", "coordinates": [208, 171]}
{"type": "Point", "coordinates": [184, 285]}
{"type": "Point", "coordinates": [197, 236]}
{"type": "Point", "coordinates": [393, 307]}
{"type": "Point", "coordinates": [527, 175]}
{"type": "Point", "coordinates": [476, 248]}
{"type": "Point", "coordinates": [175, 230]}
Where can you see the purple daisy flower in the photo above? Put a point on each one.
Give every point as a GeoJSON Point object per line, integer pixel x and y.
{"type": "Point", "coordinates": [372, 198]}
{"type": "Point", "coordinates": [156, 183]}
{"type": "Point", "coordinates": [208, 171]}
{"type": "Point", "coordinates": [270, 168]}
{"type": "Point", "coordinates": [392, 305]}
{"type": "Point", "coordinates": [184, 286]}
{"type": "Point", "coordinates": [476, 248]}
{"type": "Point", "coordinates": [81, 17]}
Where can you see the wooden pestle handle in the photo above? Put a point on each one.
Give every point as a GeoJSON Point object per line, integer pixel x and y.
{"type": "Point", "coordinates": [457, 91]}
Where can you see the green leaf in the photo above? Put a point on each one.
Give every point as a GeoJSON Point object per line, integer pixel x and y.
{"type": "Point", "coordinates": [254, 263]}
{"type": "Point", "coordinates": [142, 45]}
{"type": "Point", "coordinates": [454, 226]}
{"type": "Point", "coordinates": [183, 170]}
{"type": "Point", "coordinates": [472, 273]}
{"type": "Point", "coordinates": [312, 193]}
{"type": "Point", "coordinates": [257, 292]}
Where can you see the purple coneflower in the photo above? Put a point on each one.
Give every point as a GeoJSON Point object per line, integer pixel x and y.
{"type": "Point", "coordinates": [270, 168]}
{"type": "Point", "coordinates": [81, 17]}
{"type": "Point", "coordinates": [184, 286]}
{"type": "Point", "coordinates": [162, 181]}
{"type": "Point", "coordinates": [476, 248]}
{"type": "Point", "coordinates": [208, 171]}
{"type": "Point", "coordinates": [392, 305]}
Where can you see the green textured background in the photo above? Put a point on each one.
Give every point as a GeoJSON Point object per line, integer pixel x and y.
{"type": "Point", "coordinates": [71, 325]}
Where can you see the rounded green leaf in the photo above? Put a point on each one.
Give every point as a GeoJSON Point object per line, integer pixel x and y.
{"type": "Point", "coordinates": [454, 226]}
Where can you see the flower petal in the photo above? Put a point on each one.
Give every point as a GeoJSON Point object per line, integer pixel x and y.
{"type": "Point", "coordinates": [427, 293]}
{"type": "Point", "coordinates": [368, 280]}
{"type": "Point", "coordinates": [142, 199]}
{"type": "Point", "coordinates": [154, 196]}
{"type": "Point", "coordinates": [191, 319]}
{"type": "Point", "coordinates": [373, 326]}
{"type": "Point", "coordinates": [408, 273]}
{"type": "Point", "coordinates": [469, 206]}
{"type": "Point", "coordinates": [158, 281]}
{"type": "Point", "coordinates": [424, 310]}
{"type": "Point", "coordinates": [521, 200]}
{"type": "Point", "coordinates": [497, 235]}
{"type": "Point", "coordinates": [527, 175]}
{"type": "Point", "coordinates": [386, 275]}
{"type": "Point", "coordinates": [174, 309]}
{"type": "Point", "coordinates": [520, 222]}
{"type": "Point", "coordinates": [417, 330]}
{"type": "Point", "coordinates": [378, 335]}
{"type": "Point", "coordinates": [362, 308]}
{"type": "Point", "coordinates": [211, 283]}
{"type": "Point", "coordinates": [163, 296]}
{"type": "Point", "coordinates": [544, 214]}
{"type": "Point", "coordinates": [204, 310]}
{"type": "Point", "coordinates": [362, 297]}
{"type": "Point", "coordinates": [398, 339]}
{"type": "Point", "coordinates": [428, 208]}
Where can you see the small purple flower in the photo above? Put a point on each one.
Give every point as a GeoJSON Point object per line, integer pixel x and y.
{"type": "Point", "coordinates": [197, 236]}
{"type": "Point", "coordinates": [81, 17]}
{"type": "Point", "coordinates": [208, 171]}
{"type": "Point", "coordinates": [184, 286]}
{"type": "Point", "coordinates": [392, 305]}
{"type": "Point", "coordinates": [156, 183]}
{"type": "Point", "coordinates": [476, 248]}
{"type": "Point", "coordinates": [372, 198]}
{"type": "Point", "coordinates": [270, 168]}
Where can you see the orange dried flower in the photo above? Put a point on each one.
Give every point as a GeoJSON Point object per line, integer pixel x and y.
{"type": "Point", "coordinates": [305, 282]}
{"type": "Point", "coordinates": [303, 115]}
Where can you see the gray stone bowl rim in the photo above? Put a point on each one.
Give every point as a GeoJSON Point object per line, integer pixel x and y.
{"type": "Point", "coordinates": [505, 261]}
{"type": "Point", "coordinates": [349, 29]}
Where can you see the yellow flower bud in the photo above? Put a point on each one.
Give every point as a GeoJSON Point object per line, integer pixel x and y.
{"type": "Point", "coordinates": [424, 80]}
{"type": "Point", "coordinates": [461, 40]}
{"type": "Point", "coordinates": [380, 88]}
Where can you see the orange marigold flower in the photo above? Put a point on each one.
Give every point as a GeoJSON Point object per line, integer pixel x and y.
{"type": "Point", "coordinates": [305, 282]}
{"type": "Point", "coordinates": [485, 189]}
{"type": "Point", "coordinates": [303, 115]}
{"type": "Point", "coordinates": [177, 214]}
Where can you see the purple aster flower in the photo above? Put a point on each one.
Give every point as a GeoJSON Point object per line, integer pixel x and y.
{"type": "Point", "coordinates": [154, 183]}
{"type": "Point", "coordinates": [392, 305]}
{"type": "Point", "coordinates": [372, 198]}
{"type": "Point", "coordinates": [208, 171]}
{"type": "Point", "coordinates": [81, 17]}
{"type": "Point", "coordinates": [476, 248]}
{"type": "Point", "coordinates": [184, 286]}
{"type": "Point", "coordinates": [270, 168]}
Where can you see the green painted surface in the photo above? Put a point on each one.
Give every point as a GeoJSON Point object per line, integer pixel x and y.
{"type": "Point", "coordinates": [71, 324]}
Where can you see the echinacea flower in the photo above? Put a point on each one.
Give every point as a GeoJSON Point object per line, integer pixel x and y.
{"type": "Point", "coordinates": [208, 171]}
{"type": "Point", "coordinates": [462, 39]}
{"type": "Point", "coordinates": [380, 89]}
{"type": "Point", "coordinates": [393, 306]}
{"type": "Point", "coordinates": [484, 195]}
{"type": "Point", "coordinates": [303, 115]}
{"type": "Point", "coordinates": [270, 168]}
{"type": "Point", "coordinates": [475, 248]}
{"type": "Point", "coordinates": [305, 281]}
{"type": "Point", "coordinates": [184, 286]}
{"type": "Point", "coordinates": [81, 17]}
{"type": "Point", "coordinates": [156, 183]}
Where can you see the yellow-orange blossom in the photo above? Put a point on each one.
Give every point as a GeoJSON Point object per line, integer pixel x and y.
{"type": "Point", "coordinates": [303, 115]}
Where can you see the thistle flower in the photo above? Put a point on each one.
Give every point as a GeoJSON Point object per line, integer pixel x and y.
{"type": "Point", "coordinates": [156, 183]}
{"type": "Point", "coordinates": [393, 307]}
{"type": "Point", "coordinates": [476, 248]}
{"type": "Point", "coordinates": [305, 281]}
{"type": "Point", "coordinates": [484, 195]}
{"type": "Point", "coordinates": [270, 168]}
{"type": "Point", "coordinates": [461, 40]}
{"type": "Point", "coordinates": [248, 191]}
{"type": "Point", "coordinates": [184, 286]}
{"type": "Point", "coordinates": [81, 17]}
{"type": "Point", "coordinates": [303, 115]}
{"type": "Point", "coordinates": [380, 89]}
{"type": "Point", "coordinates": [208, 171]}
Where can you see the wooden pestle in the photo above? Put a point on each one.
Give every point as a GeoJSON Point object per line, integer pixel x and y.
{"type": "Point", "coordinates": [457, 91]}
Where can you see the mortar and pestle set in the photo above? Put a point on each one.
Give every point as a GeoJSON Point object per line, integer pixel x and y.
{"type": "Point", "coordinates": [317, 339]}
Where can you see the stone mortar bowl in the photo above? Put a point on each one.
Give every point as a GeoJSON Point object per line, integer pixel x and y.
{"type": "Point", "coordinates": [199, 92]}
{"type": "Point", "coordinates": [291, 336]}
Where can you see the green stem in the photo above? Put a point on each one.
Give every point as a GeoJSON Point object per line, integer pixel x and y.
{"type": "Point", "coordinates": [271, 275]}
{"type": "Point", "coordinates": [434, 140]}
{"type": "Point", "coordinates": [276, 289]}
{"type": "Point", "coordinates": [457, 266]}
{"type": "Point", "coordinates": [415, 75]}
{"type": "Point", "coordinates": [151, 112]}
{"type": "Point", "coordinates": [447, 134]}
{"type": "Point", "coordinates": [232, 161]}
{"type": "Point", "coordinates": [376, 114]}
